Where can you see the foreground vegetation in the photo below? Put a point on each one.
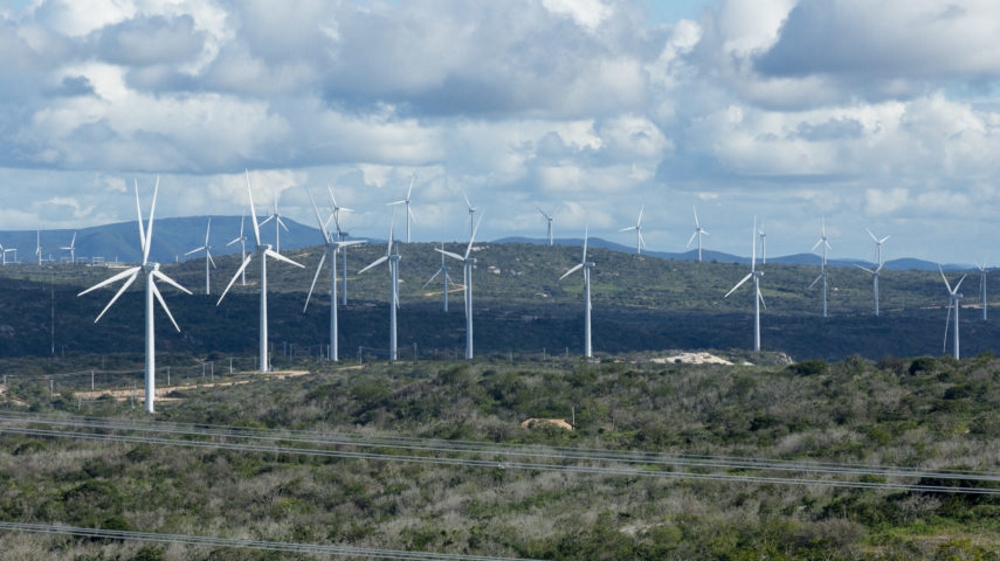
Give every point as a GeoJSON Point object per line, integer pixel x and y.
{"type": "Point", "coordinates": [933, 414]}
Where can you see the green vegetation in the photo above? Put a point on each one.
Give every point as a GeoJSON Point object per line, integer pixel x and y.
{"type": "Point", "coordinates": [903, 414]}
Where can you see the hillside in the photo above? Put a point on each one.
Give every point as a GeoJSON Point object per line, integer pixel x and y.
{"type": "Point", "coordinates": [853, 460]}
{"type": "Point", "coordinates": [639, 304]}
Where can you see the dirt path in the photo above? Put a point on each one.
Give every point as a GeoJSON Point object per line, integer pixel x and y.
{"type": "Point", "coordinates": [162, 391]}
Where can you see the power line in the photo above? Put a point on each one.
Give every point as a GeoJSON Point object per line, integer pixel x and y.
{"type": "Point", "coordinates": [262, 545]}
{"type": "Point", "coordinates": [568, 460]}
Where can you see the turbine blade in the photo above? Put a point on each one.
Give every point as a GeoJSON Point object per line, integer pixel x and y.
{"type": "Point", "coordinates": [253, 212]}
{"type": "Point", "coordinates": [691, 239]}
{"type": "Point", "coordinates": [280, 257]}
{"type": "Point", "coordinates": [813, 283]}
{"type": "Point", "coordinates": [866, 269]}
{"type": "Point", "coordinates": [202, 248]}
{"type": "Point", "coordinates": [872, 235]}
{"type": "Point", "coordinates": [430, 280]}
{"type": "Point", "coordinates": [149, 225]}
{"type": "Point", "coordinates": [210, 260]}
{"type": "Point", "coordinates": [208, 230]}
{"type": "Point", "coordinates": [118, 294]}
{"type": "Point", "coordinates": [281, 222]}
{"type": "Point", "coordinates": [959, 283]}
{"type": "Point", "coordinates": [375, 263]}
{"type": "Point", "coordinates": [586, 236]}
{"type": "Point", "coordinates": [739, 284]}
{"type": "Point", "coordinates": [236, 276]}
{"type": "Point", "coordinates": [761, 297]}
{"type": "Point", "coordinates": [449, 254]}
{"type": "Point", "coordinates": [575, 268]}
{"type": "Point", "coordinates": [159, 275]}
{"type": "Point", "coordinates": [142, 226]}
{"type": "Point", "coordinates": [472, 238]}
{"type": "Point", "coordinates": [163, 304]}
{"type": "Point", "coordinates": [946, 283]}
{"type": "Point", "coordinates": [319, 220]}
{"type": "Point", "coordinates": [319, 268]}
{"type": "Point", "coordinates": [112, 280]}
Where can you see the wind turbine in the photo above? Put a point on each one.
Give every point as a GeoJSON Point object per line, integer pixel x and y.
{"type": "Point", "coordinates": [639, 242]}
{"type": "Point", "coordinates": [209, 262]}
{"type": "Point", "coordinates": [982, 286]}
{"type": "Point", "coordinates": [822, 268]}
{"type": "Point", "coordinates": [472, 214]}
{"type": "Point", "coordinates": [586, 266]}
{"type": "Point", "coordinates": [548, 218]}
{"type": "Point", "coordinates": [875, 276]}
{"type": "Point", "coordinates": [409, 212]}
{"type": "Point", "coordinates": [468, 262]}
{"type": "Point", "coordinates": [71, 248]}
{"type": "Point", "coordinates": [698, 232]}
{"type": "Point", "coordinates": [5, 250]}
{"type": "Point", "coordinates": [152, 273]}
{"type": "Point", "coordinates": [762, 236]}
{"type": "Point", "coordinates": [878, 246]}
{"type": "Point", "coordinates": [392, 256]}
{"type": "Point", "coordinates": [953, 302]}
{"type": "Point", "coordinates": [447, 278]}
{"type": "Point", "coordinates": [38, 245]}
{"type": "Point", "coordinates": [755, 275]}
{"type": "Point", "coordinates": [242, 240]}
{"type": "Point", "coordinates": [341, 236]}
{"type": "Point", "coordinates": [278, 224]}
{"type": "Point", "coordinates": [264, 251]}
{"type": "Point", "coordinates": [331, 247]}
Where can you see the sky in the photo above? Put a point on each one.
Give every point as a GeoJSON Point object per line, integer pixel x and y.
{"type": "Point", "coordinates": [848, 113]}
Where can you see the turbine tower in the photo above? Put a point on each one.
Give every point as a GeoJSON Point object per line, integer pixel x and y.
{"type": "Point", "coordinates": [953, 302]}
{"type": "Point", "coordinates": [209, 262]}
{"type": "Point", "coordinates": [755, 275]}
{"type": "Point", "coordinates": [264, 251]}
{"type": "Point", "coordinates": [278, 224]}
{"type": "Point", "coordinates": [698, 233]}
{"type": "Point", "coordinates": [38, 246]}
{"type": "Point", "coordinates": [548, 218]}
{"type": "Point", "coordinates": [468, 263]}
{"type": "Point", "coordinates": [330, 247]}
{"type": "Point", "coordinates": [392, 256]}
{"type": "Point", "coordinates": [982, 286]}
{"type": "Point", "coordinates": [639, 242]}
{"type": "Point", "coordinates": [71, 248]}
{"type": "Point", "coordinates": [447, 278]}
{"type": "Point", "coordinates": [822, 268]}
{"type": "Point", "coordinates": [152, 273]}
{"type": "Point", "coordinates": [242, 240]}
{"type": "Point", "coordinates": [409, 212]}
{"type": "Point", "coordinates": [586, 266]}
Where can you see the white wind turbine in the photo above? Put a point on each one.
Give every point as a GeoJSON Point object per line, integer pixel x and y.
{"type": "Point", "coordinates": [392, 256]}
{"type": "Point", "coordinates": [152, 273]}
{"type": "Point", "coordinates": [762, 236]}
{"type": "Point", "coordinates": [698, 233]}
{"type": "Point", "coordinates": [586, 266]}
{"type": "Point", "coordinates": [472, 213]}
{"type": "Point", "coordinates": [954, 296]}
{"type": "Point", "coordinates": [409, 212]}
{"type": "Point", "coordinates": [330, 248]}
{"type": "Point", "coordinates": [242, 240]}
{"type": "Point", "coordinates": [548, 218]}
{"type": "Point", "coordinates": [38, 245]}
{"type": "Point", "coordinates": [982, 286]}
{"type": "Point", "coordinates": [5, 250]}
{"type": "Point", "coordinates": [822, 270]}
{"type": "Point", "coordinates": [468, 263]}
{"type": "Point", "coordinates": [755, 275]}
{"type": "Point", "coordinates": [447, 278]}
{"type": "Point", "coordinates": [639, 242]}
{"type": "Point", "coordinates": [71, 248]}
{"type": "Point", "coordinates": [264, 251]}
{"type": "Point", "coordinates": [278, 224]}
{"type": "Point", "coordinates": [341, 236]}
{"type": "Point", "coordinates": [209, 262]}
{"type": "Point", "coordinates": [875, 273]}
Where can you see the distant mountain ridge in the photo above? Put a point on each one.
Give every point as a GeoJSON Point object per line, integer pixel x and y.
{"type": "Point", "coordinates": [173, 237]}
